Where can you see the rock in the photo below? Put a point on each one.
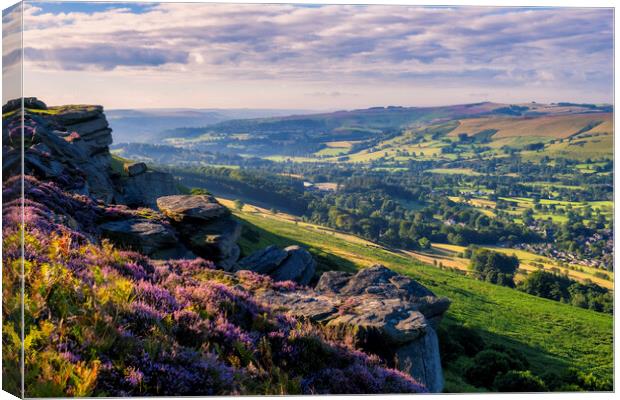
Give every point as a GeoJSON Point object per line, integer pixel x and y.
{"type": "Point", "coordinates": [291, 264]}
{"type": "Point", "coordinates": [141, 235]}
{"type": "Point", "coordinates": [78, 113]}
{"type": "Point", "coordinates": [384, 282]}
{"type": "Point", "coordinates": [205, 226]}
{"type": "Point", "coordinates": [144, 189]}
{"type": "Point", "coordinates": [420, 358]}
{"type": "Point", "coordinates": [89, 127]}
{"type": "Point", "coordinates": [380, 312]}
{"type": "Point", "coordinates": [50, 156]}
{"type": "Point", "coordinates": [216, 241]}
{"type": "Point", "coordinates": [188, 208]}
{"type": "Point", "coordinates": [263, 261]}
{"type": "Point", "coordinates": [299, 266]}
{"type": "Point", "coordinates": [29, 102]}
{"type": "Point", "coordinates": [133, 169]}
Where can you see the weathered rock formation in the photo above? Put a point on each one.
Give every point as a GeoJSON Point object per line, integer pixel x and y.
{"type": "Point", "coordinates": [293, 263]}
{"type": "Point", "coordinates": [380, 311]}
{"type": "Point", "coordinates": [70, 145]}
{"type": "Point", "coordinates": [143, 189]}
{"type": "Point", "coordinates": [152, 238]}
{"type": "Point", "coordinates": [205, 226]}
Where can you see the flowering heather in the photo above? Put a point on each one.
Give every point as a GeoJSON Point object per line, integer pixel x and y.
{"type": "Point", "coordinates": [73, 136]}
{"type": "Point", "coordinates": [104, 322]}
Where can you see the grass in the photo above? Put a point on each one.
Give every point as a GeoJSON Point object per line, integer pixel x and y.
{"type": "Point", "coordinates": [551, 335]}
{"type": "Point", "coordinates": [118, 164]}
{"type": "Point", "coordinates": [331, 151]}
{"type": "Point", "coordinates": [600, 146]}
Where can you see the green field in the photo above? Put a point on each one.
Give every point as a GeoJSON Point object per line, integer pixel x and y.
{"type": "Point", "coordinates": [551, 335]}
{"type": "Point", "coordinates": [453, 171]}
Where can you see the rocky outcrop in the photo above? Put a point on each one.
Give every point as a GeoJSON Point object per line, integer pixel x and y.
{"type": "Point", "coordinates": [70, 145]}
{"type": "Point", "coordinates": [293, 263]}
{"type": "Point", "coordinates": [29, 102]}
{"type": "Point", "coordinates": [68, 153]}
{"type": "Point", "coordinates": [205, 226]}
{"type": "Point", "coordinates": [380, 312]}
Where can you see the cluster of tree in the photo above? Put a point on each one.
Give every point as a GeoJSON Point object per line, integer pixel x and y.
{"type": "Point", "coordinates": [491, 266]}
{"type": "Point", "coordinates": [561, 288]}
{"type": "Point", "coordinates": [378, 216]}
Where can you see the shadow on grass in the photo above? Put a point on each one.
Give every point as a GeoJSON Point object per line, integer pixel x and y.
{"type": "Point", "coordinates": [540, 361]}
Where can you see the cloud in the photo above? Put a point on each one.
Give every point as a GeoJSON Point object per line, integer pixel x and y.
{"type": "Point", "coordinates": [103, 56]}
{"type": "Point", "coordinates": [388, 45]}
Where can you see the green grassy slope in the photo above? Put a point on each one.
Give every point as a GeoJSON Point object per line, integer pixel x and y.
{"type": "Point", "coordinates": [551, 335]}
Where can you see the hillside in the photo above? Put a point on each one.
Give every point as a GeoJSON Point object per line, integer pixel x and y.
{"type": "Point", "coordinates": [317, 135]}
{"type": "Point", "coordinates": [550, 335]}
{"type": "Point", "coordinates": [552, 126]}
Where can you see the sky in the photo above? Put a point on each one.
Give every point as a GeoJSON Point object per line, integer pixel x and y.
{"type": "Point", "coordinates": [319, 57]}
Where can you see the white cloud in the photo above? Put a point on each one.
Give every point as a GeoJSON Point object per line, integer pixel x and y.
{"type": "Point", "coordinates": [322, 47]}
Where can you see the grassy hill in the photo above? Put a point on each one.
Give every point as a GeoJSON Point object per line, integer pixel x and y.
{"type": "Point", "coordinates": [553, 336]}
{"type": "Point", "coordinates": [552, 126]}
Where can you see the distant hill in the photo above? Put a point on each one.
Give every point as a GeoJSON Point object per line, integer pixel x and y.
{"type": "Point", "coordinates": [305, 135]}
{"type": "Point", "coordinates": [555, 126]}
{"type": "Point", "coordinates": [147, 125]}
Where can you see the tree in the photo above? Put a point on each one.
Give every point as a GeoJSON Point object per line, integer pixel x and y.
{"type": "Point", "coordinates": [494, 267]}
{"type": "Point", "coordinates": [519, 381]}
{"type": "Point", "coordinates": [486, 366]}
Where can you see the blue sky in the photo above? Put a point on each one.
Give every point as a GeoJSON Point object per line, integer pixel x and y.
{"type": "Point", "coordinates": [286, 56]}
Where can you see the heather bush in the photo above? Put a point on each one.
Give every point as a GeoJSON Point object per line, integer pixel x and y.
{"type": "Point", "coordinates": [104, 322]}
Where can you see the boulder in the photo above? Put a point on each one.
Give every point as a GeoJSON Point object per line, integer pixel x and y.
{"type": "Point", "coordinates": [139, 234]}
{"type": "Point", "coordinates": [216, 241]}
{"type": "Point", "coordinates": [378, 311]}
{"type": "Point", "coordinates": [133, 169]}
{"type": "Point", "coordinates": [263, 261]}
{"type": "Point", "coordinates": [191, 208]}
{"type": "Point", "coordinates": [144, 189]}
{"type": "Point", "coordinates": [205, 226]}
{"type": "Point", "coordinates": [294, 263]}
